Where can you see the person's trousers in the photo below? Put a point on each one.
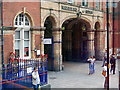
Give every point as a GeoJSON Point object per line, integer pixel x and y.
{"type": "Point", "coordinates": [93, 67]}
{"type": "Point", "coordinates": [90, 68]}
{"type": "Point", "coordinates": [106, 84]}
{"type": "Point", "coordinates": [35, 87]}
{"type": "Point", "coordinates": [112, 68]}
{"type": "Point", "coordinates": [104, 61]}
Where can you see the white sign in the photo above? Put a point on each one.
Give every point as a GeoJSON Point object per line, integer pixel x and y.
{"type": "Point", "coordinates": [29, 70]}
{"type": "Point", "coordinates": [38, 52]}
{"type": "Point", "coordinates": [47, 41]}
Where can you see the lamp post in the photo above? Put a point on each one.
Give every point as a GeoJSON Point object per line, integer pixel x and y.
{"type": "Point", "coordinates": [113, 24]}
{"type": "Point", "coordinates": [107, 10]}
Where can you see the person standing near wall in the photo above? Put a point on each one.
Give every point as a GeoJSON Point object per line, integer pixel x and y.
{"type": "Point", "coordinates": [35, 79]}
{"type": "Point", "coordinates": [104, 58]}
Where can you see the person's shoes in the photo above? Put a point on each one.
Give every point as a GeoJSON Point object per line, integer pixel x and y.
{"type": "Point", "coordinates": [113, 73]}
{"type": "Point", "coordinates": [89, 74]}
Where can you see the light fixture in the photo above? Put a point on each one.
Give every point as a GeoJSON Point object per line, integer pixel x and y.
{"type": "Point", "coordinates": [35, 50]}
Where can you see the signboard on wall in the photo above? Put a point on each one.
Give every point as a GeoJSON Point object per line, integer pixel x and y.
{"type": "Point", "coordinates": [47, 40]}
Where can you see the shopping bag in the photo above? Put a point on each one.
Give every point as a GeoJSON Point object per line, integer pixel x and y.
{"type": "Point", "coordinates": [104, 73]}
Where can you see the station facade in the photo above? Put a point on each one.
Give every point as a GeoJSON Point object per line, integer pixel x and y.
{"type": "Point", "coordinates": [77, 30]}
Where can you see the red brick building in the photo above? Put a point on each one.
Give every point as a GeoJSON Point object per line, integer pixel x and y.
{"type": "Point", "coordinates": [25, 22]}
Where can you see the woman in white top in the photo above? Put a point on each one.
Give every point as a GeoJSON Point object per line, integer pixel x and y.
{"type": "Point", "coordinates": [106, 78]}
{"type": "Point", "coordinates": [35, 78]}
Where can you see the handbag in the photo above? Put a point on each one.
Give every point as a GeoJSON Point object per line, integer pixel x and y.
{"type": "Point", "coordinates": [104, 73]}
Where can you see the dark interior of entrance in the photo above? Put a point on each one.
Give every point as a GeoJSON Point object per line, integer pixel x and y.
{"type": "Point", "coordinates": [75, 47]}
{"type": "Point", "coordinates": [48, 47]}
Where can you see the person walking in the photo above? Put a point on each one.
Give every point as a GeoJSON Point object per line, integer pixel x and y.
{"type": "Point", "coordinates": [93, 59]}
{"type": "Point", "coordinates": [35, 78]}
{"type": "Point", "coordinates": [112, 62]}
{"type": "Point", "coordinates": [104, 58]}
{"type": "Point", "coordinates": [105, 75]}
{"type": "Point", "coordinates": [91, 65]}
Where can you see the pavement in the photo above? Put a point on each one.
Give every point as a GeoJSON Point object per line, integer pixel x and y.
{"type": "Point", "coordinates": [75, 75]}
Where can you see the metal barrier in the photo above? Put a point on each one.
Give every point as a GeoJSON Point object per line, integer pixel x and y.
{"type": "Point", "coordinates": [23, 68]}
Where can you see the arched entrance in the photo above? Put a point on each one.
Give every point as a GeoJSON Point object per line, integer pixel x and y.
{"type": "Point", "coordinates": [75, 40]}
{"type": "Point", "coordinates": [48, 48]}
{"type": "Point", "coordinates": [97, 41]}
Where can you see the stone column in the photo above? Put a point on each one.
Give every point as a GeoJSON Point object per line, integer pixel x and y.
{"type": "Point", "coordinates": [42, 38]}
{"type": "Point", "coordinates": [91, 42]}
{"type": "Point", "coordinates": [57, 34]}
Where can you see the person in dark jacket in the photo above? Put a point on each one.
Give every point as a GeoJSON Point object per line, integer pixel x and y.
{"type": "Point", "coordinates": [112, 62]}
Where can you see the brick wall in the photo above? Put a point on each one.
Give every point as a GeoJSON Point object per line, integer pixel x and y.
{"type": "Point", "coordinates": [12, 8]}
{"type": "Point", "coordinates": [37, 42]}
{"type": "Point", "coordinates": [8, 46]}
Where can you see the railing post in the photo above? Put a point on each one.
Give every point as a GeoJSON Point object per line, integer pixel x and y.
{"type": "Point", "coordinates": [18, 70]}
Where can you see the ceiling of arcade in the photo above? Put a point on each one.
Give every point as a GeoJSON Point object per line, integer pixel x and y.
{"type": "Point", "coordinates": [61, 13]}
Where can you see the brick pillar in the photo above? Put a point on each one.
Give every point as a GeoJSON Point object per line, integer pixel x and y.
{"type": "Point", "coordinates": [91, 42]}
{"type": "Point", "coordinates": [57, 34]}
{"type": "Point", "coordinates": [42, 38]}
{"type": "Point", "coordinates": [34, 31]}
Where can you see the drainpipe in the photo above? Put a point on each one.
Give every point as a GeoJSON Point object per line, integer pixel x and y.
{"type": "Point", "coordinates": [2, 51]}
{"type": "Point", "coordinates": [113, 24]}
{"type": "Point", "coordinates": [107, 10]}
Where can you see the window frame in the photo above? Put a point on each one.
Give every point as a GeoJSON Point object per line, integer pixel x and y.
{"type": "Point", "coordinates": [70, 1]}
{"type": "Point", "coordinates": [85, 3]}
{"type": "Point", "coordinates": [98, 4]}
{"type": "Point", "coordinates": [22, 29]}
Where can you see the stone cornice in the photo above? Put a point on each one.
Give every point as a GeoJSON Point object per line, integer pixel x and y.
{"type": "Point", "coordinates": [8, 28]}
{"type": "Point", "coordinates": [57, 29]}
{"type": "Point", "coordinates": [38, 28]}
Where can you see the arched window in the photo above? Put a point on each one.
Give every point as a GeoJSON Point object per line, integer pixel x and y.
{"type": "Point", "coordinates": [22, 20]}
{"type": "Point", "coordinates": [22, 36]}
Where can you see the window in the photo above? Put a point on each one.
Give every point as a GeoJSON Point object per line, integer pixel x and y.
{"type": "Point", "coordinates": [84, 2]}
{"type": "Point", "coordinates": [22, 20]}
{"type": "Point", "coordinates": [70, 1]}
{"type": "Point", "coordinates": [22, 36]}
{"type": "Point", "coordinates": [97, 4]}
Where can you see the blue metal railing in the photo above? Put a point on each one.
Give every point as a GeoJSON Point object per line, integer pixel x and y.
{"type": "Point", "coordinates": [23, 68]}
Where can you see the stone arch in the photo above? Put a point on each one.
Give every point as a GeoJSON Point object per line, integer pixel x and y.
{"type": "Point", "coordinates": [80, 18]}
{"type": "Point", "coordinates": [99, 22]}
{"type": "Point", "coordinates": [75, 38]}
{"type": "Point", "coordinates": [29, 16]}
{"type": "Point", "coordinates": [53, 19]}
{"type": "Point", "coordinates": [97, 25]}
